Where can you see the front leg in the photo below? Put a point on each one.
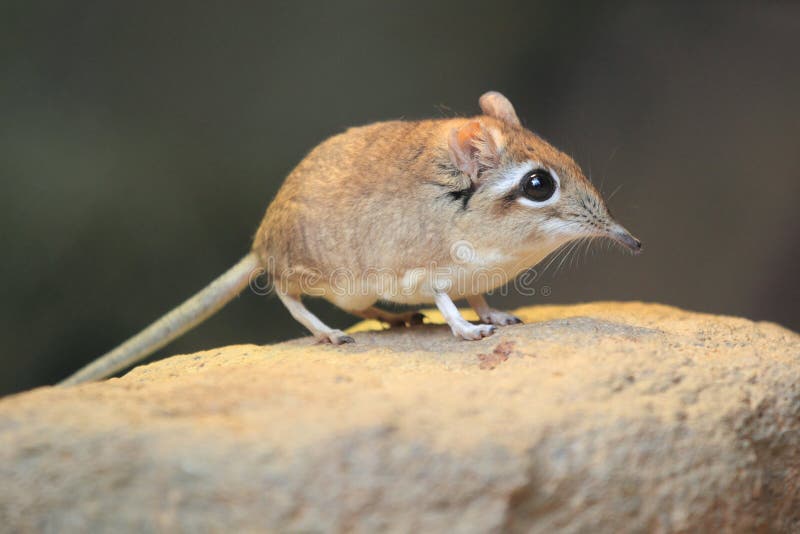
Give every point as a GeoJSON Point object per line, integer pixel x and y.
{"type": "Point", "coordinates": [460, 326]}
{"type": "Point", "coordinates": [488, 314]}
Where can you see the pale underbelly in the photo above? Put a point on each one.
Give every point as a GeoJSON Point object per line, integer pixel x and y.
{"type": "Point", "coordinates": [356, 291]}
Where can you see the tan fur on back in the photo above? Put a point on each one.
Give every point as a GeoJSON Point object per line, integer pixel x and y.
{"type": "Point", "coordinates": [378, 197]}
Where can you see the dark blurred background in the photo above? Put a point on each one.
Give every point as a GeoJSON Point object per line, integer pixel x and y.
{"type": "Point", "coordinates": [140, 143]}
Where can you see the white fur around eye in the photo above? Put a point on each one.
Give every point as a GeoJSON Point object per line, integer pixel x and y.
{"type": "Point", "coordinates": [511, 179]}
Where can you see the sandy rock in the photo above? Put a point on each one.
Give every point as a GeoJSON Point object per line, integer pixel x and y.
{"type": "Point", "coordinates": [602, 417]}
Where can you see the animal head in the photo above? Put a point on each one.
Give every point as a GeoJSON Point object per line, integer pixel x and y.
{"type": "Point", "coordinates": [526, 188]}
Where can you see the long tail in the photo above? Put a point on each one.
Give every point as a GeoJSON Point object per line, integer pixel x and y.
{"type": "Point", "coordinates": [172, 325]}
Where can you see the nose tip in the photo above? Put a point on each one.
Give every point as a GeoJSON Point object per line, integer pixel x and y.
{"type": "Point", "coordinates": [624, 237]}
{"type": "Point", "coordinates": [633, 244]}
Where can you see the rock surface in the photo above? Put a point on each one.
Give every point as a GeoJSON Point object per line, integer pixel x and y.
{"type": "Point", "coordinates": [603, 417]}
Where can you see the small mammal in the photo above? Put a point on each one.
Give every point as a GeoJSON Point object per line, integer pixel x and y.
{"type": "Point", "coordinates": [405, 212]}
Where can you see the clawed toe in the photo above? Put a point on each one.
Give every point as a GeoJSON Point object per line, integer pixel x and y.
{"type": "Point", "coordinates": [337, 337]}
{"type": "Point", "coordinates": [501, 318]}
{"type": "Point", "coordinates": [474, 332]}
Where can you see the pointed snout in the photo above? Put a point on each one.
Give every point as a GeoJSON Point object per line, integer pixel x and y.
{"type": "Point", "coordinates": [625, 238]}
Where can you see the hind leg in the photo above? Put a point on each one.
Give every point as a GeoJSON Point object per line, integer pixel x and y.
{"type": "Point", "coordinates": [392, 319]}
{"type": "Point", "coordinates": [319, 330]}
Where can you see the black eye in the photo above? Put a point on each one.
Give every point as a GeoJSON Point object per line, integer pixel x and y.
{"type": "Point", "coordinates": [538, 185]}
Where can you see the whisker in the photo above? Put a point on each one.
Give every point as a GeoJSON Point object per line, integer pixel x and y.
{"type": "Point", "coordinates": [575, 260]}
{"type": "Point", "coordinates": [588, 247]}
{"type": "Point", "coordinates": [569, 251]}
{"type": "Point", "coordinates": [553, 257]}
{"type": "Point", "coordinates": [614, 192]}
{"type": "Point", "coordinates": [610, 157]}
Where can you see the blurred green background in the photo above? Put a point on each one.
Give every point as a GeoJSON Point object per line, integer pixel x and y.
{"type": "Point", "coordinates": [140, 143]}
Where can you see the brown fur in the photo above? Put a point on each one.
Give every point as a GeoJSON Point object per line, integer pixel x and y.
{"type": "Point", "coordinates": [393, 198]}
{"type": "Point", "coordinates": [386, 196]}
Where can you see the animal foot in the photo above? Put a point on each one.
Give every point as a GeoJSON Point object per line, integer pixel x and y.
{"type": "Point", "coordinates": [335, 337]}
{"type": "Point", "coordinates": [500, 318]}
{"type": "Point", "coordinates": [405, 319]}
{"type": "Point", "coordinates": [471, 331]}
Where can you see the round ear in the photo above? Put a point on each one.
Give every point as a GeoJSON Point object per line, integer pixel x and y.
{"type": "Point", "coordinates": [463, 149]}
{"type": "Point", "coordinates": [498, 106]}
{"type": "Point", "coordinates": [473, 147]}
